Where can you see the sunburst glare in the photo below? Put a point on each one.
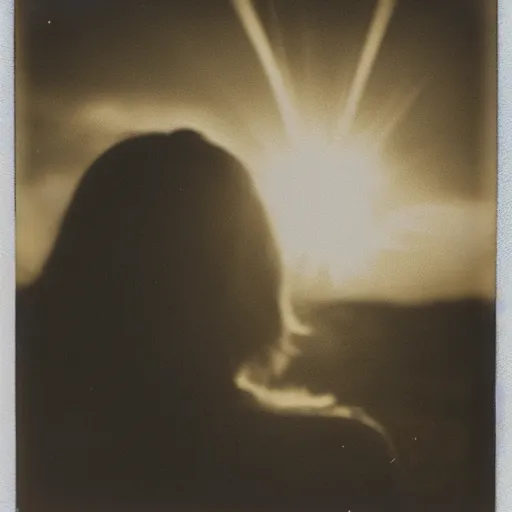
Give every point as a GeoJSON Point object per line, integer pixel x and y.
{"type": "Point", "coordinates": [322, 199]}
{"type": "Point", "coordinates": [322, 186]}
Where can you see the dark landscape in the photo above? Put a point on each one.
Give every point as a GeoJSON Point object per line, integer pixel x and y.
{"type": "Point", "coordinates": [427, 374]}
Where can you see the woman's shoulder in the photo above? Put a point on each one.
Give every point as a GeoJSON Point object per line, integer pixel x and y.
{"type": "Point", "coordinates": [332, 451]}
{"type": "Point", "coordinates": [298, 406]}
{"type": "Point", "coordinates": [342, 428]}
{"type": "Point", "coordinates": [318, 426]}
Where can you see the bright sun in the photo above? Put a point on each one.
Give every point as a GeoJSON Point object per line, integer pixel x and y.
{"type": "Point", "coordinates": [322, 199]}
{"type": "Point", "coordinates": [321, 189]}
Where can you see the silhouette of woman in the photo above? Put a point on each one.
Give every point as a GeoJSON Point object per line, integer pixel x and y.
{"type": "Point", "coordinates": [165, 279]}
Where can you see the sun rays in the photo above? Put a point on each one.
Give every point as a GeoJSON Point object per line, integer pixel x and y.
{"type": "Point", "coordinates": [322, 186]}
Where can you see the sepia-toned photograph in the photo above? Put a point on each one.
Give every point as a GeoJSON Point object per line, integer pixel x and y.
{"type": "Point", "coordinates": [255, 255]}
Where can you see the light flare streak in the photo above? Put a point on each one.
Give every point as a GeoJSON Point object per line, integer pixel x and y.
{"type": "Point", "coordinates": [258, 37]}
{"type": "Point", "coordinates": [400, 113]}
{"type": "Point", "coordinates": [376, 33]}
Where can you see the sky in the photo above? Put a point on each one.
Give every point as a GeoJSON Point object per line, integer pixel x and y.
{"type": "Point", "coordinates": [91, 72]}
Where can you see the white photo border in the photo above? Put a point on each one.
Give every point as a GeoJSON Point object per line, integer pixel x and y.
{"type": "Point", "coordinates": [504, 276]}
{"type": "Point", "coordinates": [7, 268]}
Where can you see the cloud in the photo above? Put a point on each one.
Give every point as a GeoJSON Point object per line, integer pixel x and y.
{"type": "Point", "coordinates": [433, 251]}
{"type": "Point", "coordinates": [436, 249]}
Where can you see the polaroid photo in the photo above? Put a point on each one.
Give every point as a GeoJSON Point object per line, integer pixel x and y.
{"type": "Point", "coordinates": [256, 256]}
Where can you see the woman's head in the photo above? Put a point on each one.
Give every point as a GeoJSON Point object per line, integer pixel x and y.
{"type": "Point", "coordinates": [167, 232]}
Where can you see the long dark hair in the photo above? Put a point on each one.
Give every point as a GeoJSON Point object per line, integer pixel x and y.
{"type": "Point", "coordinates": [167, 247]}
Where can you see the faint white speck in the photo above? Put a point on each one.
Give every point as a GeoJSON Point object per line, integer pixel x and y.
{"type": "Point", "coordinates": [49, 22]}
{"type": "Point", "coordinates": [391, 461]}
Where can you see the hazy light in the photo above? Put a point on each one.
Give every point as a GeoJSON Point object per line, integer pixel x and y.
{"type": "Point", "coordinates": [346, 229]}
{"type": "Point", "coordinates": [321, 187]}
{"type": "Point", "coordinates": [322, 200]}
